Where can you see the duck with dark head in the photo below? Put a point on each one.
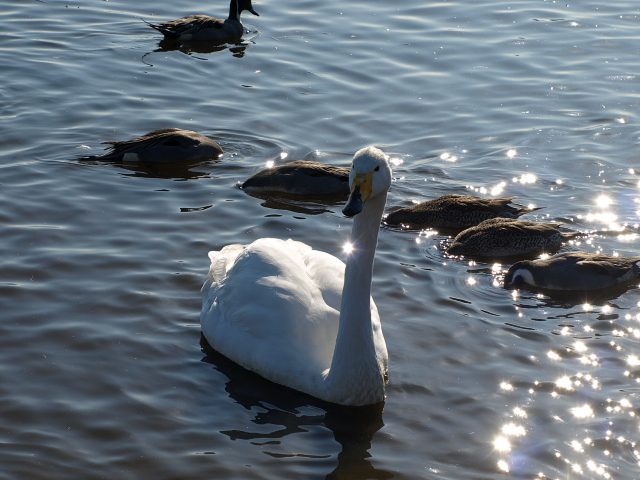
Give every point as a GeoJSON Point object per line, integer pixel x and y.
{"type": "Point", "coordinates": [205, 28]}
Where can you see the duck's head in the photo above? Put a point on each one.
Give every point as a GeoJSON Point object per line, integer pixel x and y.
{"type": "Point", "coordinates": [246, 5]}
{"type": "Point", "coordinates": [370, 176]}
{"type": "Point", "coordinates": [518, 275]}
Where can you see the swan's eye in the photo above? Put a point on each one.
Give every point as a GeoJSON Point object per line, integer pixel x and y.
{"type": "Point", "coordinates": [377, 169]}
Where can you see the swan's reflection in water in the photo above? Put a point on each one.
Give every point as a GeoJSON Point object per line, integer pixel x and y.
{"type": "Point", "coordinates": [291, 412]}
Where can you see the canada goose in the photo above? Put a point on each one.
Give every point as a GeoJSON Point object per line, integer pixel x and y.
{"type": "Point", "coordinates": [500, 237]}
{"type": "Point", "coordinates": [197, 28]}
{"type": "Point", "coordinates": [298, 316]}
{"type": "Point", "coordinates": [166, 145]}
{"type": "Point", "coordinates": [301, 177]}
{"type": "Point", "coordinates": [456, 211]}
{"type": "Point", "coordinates": [573, 271]}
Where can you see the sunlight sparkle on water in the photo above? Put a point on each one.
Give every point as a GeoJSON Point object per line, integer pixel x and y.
{"type": "Point", "coordinates": [599, 469]}
{"type": "Point", "coordinates": [502, 444]}
{"type": "Point", "coordinates": [503, 466]}
{"type": "Point", "coordinates": [580, 346]}
{"type": "Point", "coordinates": [283, 155]}
{"type": "Point", "coordinates": [603, 201]}
{"type": "Point", "coordinates": [525, 178]}
{"type": "Point", "coordinates": [511, 152]}
{"type": "Point", "coordinates": [625, 403]}
{"type": "Point", "coordinates": [633, 360]}
{"type": "Point", "coordinates": [270, 163]}
{"type": "Point", "coordinates": [553, 355]}
{"type": "Point", "coordinates": [582, 412]}
{"type": "Point", "coordinates": [396, 161]}
{"type": "Point", "coordinates": [605, 217]}
{"type": "Point", "coordinates": [565, 382]}
{"type": "Point", "coordinates": [347, 248]}
{"type": "Point", "coordinates": [627, 237]}
{"type": "Point", "coordinates": [498, 189]}
{"type": "Point", "coordinates": [447, 157]}
{"type": "Point", "coordinates": [519, 412]}
{"type": "Point", "coordinates": [514, 430]}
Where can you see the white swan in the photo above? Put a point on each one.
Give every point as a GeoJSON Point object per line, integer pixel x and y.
{"type": "Point", "coordinates": [295, 315]}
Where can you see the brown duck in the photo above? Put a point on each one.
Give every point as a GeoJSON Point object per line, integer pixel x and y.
{"type": "Point", "coordinates": [198, 28]}
{"type": "Point", "coordinates": [301, 177]}
{"type": "Point", "coordinates": [456, 211]}
{"type": "Point", "coordinates": [577, 271]}
{"type": "Point", "coordinates": [166, 145]}
{"type": "Point", "coordinates": [502, 237]}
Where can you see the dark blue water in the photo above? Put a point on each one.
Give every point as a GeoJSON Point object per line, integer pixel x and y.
{"type": "Point", "coordinates": [101, 370]}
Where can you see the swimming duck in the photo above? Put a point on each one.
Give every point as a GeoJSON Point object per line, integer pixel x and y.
{"type": "Point", "coordinates": [456, 211]}
{"type": "Point", "coordinates": [166, 145]}
{"type": "Point", "coordinates": [501, 237]}
{"type": "Point", "coordinates": [298, 316]}
{"type": "Point", "coordinates": [573, 271]}
{"type": "Point", "coordinates": [301, 177]}
{"type": "Point", "coordinates": [197, 28]}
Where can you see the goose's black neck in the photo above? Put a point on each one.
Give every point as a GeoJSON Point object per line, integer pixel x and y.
{"type": "Point", "coordinates": [234, 11]}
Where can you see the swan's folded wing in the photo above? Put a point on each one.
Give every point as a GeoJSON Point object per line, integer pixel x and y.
{"type": "Point", "coordinates": [267, 301]}
{"type": "Point", "coordinates": [327, 272]}
{"type": "Point", "coordinates": [222, 261]}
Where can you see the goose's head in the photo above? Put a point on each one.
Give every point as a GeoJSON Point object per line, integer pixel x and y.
{"type": "Point", "coordinates": [246, 5]}
{"type": "Point", "coordinates": [370, 176]}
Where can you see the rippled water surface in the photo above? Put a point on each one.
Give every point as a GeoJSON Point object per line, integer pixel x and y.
{"type": "Point", "coordinates": [101, 370]}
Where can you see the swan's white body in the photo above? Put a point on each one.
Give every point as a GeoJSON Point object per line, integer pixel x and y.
{"type": "Point", "coordinates": [297, 316]}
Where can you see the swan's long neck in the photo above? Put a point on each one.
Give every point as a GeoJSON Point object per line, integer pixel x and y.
{"type": "Point", "coordinates": [355, 367]}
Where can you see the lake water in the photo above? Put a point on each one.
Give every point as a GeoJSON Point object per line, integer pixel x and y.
{"type": "Point", "coordinates": [101, 370]}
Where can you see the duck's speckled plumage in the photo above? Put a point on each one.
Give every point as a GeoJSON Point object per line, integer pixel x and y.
{"type": "Point", "coordinates": [456, 211]}
{"type": "Point", "coordinates": [301, 177]}
{"type": "Point", "coordinates": [574, 271]}
{"type": "Point", "coordinates": [502, 237]}
{"type": "Point", "coordinates": [196, 28]}
{"type": "Point", "coordinates": [166, 145]}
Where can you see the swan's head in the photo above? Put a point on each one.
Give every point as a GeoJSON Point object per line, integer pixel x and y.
{"type": "Point", "coordinates": [370, 176]}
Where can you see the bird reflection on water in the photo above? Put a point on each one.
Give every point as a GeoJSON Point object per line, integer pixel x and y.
{"type": "Point", "coordinates": [352, 427]}
{"type": "Point", "coordinates": [237, 47]}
